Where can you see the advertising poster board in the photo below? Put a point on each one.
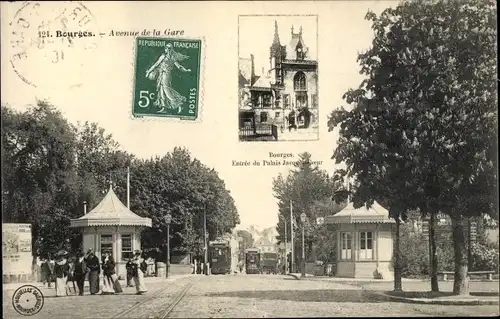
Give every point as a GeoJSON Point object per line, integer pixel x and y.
{"type": "Point", "coordinates": [17, 255]}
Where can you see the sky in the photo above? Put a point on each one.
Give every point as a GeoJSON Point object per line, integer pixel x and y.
{"type": "Point", "coordinates": [106, 73]}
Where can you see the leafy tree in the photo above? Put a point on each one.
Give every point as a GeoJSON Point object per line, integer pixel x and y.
{"type": "Point", "coordinates": [183, 187]}
{"type": "Point", "coordinates": [305, 187]}
{"type": "Point", "coordinates": [39, 181]}
{"type": "Point", "coordinates": [247, 241]}
{"type": "Point", "coordinates": [420, 134]}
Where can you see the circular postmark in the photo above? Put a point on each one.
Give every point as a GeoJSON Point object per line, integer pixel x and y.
{"type": "Point", "coordinates": [27, 300]}
{"type": "Point", "coordinates": [53, 44]}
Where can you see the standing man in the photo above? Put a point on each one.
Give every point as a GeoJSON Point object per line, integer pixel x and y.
{"type": "Point", "coordinates": [94, 268]}
{"type": "Point", "coordinates": [51, 264]}
{"type": "Point", "coordinates": [80, 270]}
{"type": "Point", "coordinates": [45, 270]}
{"type": "Point", "coordinates": [130, 272]}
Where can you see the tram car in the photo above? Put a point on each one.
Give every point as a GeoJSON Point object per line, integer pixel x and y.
{"type": "Point", "coordinates": [219, 252]}
{"type": "Point", "coordinates": [252, 261]}
{"type": "Point", "coordinates": [270, 263]}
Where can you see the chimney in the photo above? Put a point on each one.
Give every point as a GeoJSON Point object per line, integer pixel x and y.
{"type": "Point", "coordinates": [262, 71]}
{"type": "Point", "coordinates": [85, 208]}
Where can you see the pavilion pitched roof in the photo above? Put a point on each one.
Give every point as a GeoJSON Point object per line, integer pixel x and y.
{"type": "Point", "coordinates": [350, 215]}
{"type": "Point", "coordinates": [110, 212]}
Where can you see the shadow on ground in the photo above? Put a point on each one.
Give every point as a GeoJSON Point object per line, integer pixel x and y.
{"type": "Point", "coordinates": [308, 295]}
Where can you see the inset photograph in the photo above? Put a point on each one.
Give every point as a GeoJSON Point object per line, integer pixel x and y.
{"type": "Point", "coordinates": [278, 78]}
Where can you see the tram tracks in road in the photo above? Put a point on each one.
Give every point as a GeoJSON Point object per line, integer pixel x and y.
{"type": "Point", "coordinates": [128, 313]}
{"type": "Point", "coordinates": [166, 313]}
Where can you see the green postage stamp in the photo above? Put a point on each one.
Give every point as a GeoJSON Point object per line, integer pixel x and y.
{"type": "Point", "coordinates": [167, 78]}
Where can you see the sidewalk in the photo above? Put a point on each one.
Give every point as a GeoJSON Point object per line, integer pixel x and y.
{"type": "Point", "coordinates": [298, 276]}
{"type": "Point", "coordinates": [14, 286]}
{"type": "Point", "coordinates": [442, 298]}
{"type": "Point", "coordinates": [309, 134]}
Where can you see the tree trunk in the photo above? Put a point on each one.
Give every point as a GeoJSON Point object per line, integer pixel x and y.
{"type": "Point", "coordinates": [397, 267]}
{"type": "Point", "coordinates": [433, 250]}
{"type": "Point", "coordinates": [461, 279]}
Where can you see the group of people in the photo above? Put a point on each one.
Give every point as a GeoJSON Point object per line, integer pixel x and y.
{"type": "Point", "coordinates": [69, 271]}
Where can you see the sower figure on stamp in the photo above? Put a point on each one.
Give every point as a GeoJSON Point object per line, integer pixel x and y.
{"type": "Point", "coordinates": [161, 71]}
{"type": "Point", "coordinates": [94, 268]}
{"type": "Point", "coordinates": [80, 270]}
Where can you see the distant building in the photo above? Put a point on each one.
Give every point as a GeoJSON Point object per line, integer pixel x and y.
{"type": "Point", "coordinates": [287, 90]}
{"type": "Point", "coordinates": [265, 245]}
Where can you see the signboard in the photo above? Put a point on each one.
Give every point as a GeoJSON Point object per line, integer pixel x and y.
{"type": "Point", "coordinates": [17, 256]}
{"type": "Point", "coordinates": [320, 220]}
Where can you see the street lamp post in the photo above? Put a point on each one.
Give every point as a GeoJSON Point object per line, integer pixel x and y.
{"type": "Point", "coordinates": [303, 220]}
{"type": "Point", "coordinates": [168, 219]}
{"type": "Point", "coordinates": [286, 250]}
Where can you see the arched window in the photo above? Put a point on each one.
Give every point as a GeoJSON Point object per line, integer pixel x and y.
{"type": "Point", "coordinates": [299, 82]}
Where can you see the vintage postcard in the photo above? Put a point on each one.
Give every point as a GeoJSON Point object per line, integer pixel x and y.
{"type": "Point", "coordinates": [136, 182]}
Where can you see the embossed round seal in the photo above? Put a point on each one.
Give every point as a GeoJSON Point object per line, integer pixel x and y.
{"type": "Point", "coordinates": [53, 43]}
{"type": "Point", "coordinates": [27, 300]}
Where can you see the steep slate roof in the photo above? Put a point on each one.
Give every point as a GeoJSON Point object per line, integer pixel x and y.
{"type": "Point", "coordinates": [362, 215]}
{"type": "Point", "coordinates": [295, 40]}
{"type": "Point", "coordinates": [245, 66]}
{"type": "Point", "coordinates": [110, 212]}
{"type": "Point", "coordinates": [263, 82]}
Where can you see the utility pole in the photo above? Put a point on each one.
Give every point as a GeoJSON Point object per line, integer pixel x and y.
{"type": "Point", "coordinates": [291, 234]}
{"type": "Point", "coordinates": [128, 187]}
{"type": "Point", "coordinates": [205, 267]}
{"type": "Point", "coordinates": [286, 250]}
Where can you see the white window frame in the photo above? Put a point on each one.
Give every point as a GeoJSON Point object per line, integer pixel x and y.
{"type": "Point", "coordinates": [366, 238]}
{"type": "Point", "coordinates": [346, 246]}
{"type": "Point", "coordinates": [131, 247]}
{"type": "Point", "coordinates": [106, 243]}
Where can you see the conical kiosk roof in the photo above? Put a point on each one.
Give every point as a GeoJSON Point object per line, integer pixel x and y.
{"type": "Point", "coordinates": [110, 212]}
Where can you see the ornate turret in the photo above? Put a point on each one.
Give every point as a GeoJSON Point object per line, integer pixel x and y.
{"type": "Point", "coordinates": [297, 48]}
{"type": "Point", "coordinates": [277, 54]}
{"type": "Point", "coordinates": [276, 45]}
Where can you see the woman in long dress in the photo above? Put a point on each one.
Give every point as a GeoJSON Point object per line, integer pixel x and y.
{"type": "Point", "coordinates": [94, 268]}
{"type": "Point", "coordinates": [61, 271]}
{"type": "Point", "coordinates": [166, 97]}
{"type": "Point", "coordinates": [110, 280]}
{"type": "Point", "coordinates": [139, 273]}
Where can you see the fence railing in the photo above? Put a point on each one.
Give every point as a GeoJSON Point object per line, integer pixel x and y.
{"type": "Point", "coordinates": [259, 132]}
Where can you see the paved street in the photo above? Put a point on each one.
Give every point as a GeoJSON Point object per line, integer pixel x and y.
{"type": "Point", "coordinates": [309, 134]}
{"type": "Point", "coordinates": [240, 296]}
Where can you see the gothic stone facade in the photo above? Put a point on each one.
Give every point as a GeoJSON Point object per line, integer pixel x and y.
{"type": "Point", "coordinates": [290, 88]}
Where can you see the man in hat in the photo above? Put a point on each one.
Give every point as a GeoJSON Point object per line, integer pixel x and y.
{"type": "Point", "coordinates": [79, 272]}
{"type": "Point", "coordinates": [139, 273]}
{"type": "Point", "coordinates": [94, 269]}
